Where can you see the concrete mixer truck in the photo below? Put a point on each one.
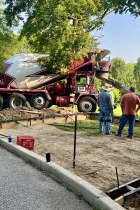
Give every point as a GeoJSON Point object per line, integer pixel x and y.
{"type": "Point", "coordinates": [24, 80]}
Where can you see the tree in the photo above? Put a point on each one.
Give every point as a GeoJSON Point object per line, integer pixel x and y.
{"type": "Point", "coordinates": [119, 6]}
{"type": "Point", "coordinates": [129, 75]}
{"type": "Point", "coordinates": [9, 41]}
{"type": "Point", "coordinates": [137, 73]}
{"type": "Point", "coordinates": [118, 69]}
{"type": "Point", "coordinates": [62, 27]}
{"type": "Point", "coordinates": [122, 72]}
{"type": "Point", "coordinates": [98, 84]}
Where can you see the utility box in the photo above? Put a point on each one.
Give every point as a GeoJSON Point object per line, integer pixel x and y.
{"type": "Point", "coordinates": [26, 142]}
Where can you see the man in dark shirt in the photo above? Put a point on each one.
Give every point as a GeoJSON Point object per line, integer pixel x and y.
{"type": "Point", "coordinates": [104, 102]}
{"type": "Point", "coordinates": [128, 106]}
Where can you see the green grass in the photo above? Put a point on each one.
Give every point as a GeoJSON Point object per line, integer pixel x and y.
{"type": "Point", "coordinates": [133, 150]}
{"type": "Point", "coordinates": [117, 111]}
{"type": "Point", "coordinates": [10, 118]}
{"type": "Point", "coordinates": [86, 123]}
{"type": "Point", "coordinates": [95, 208]}
{"type": "Point", "coordinates": [95, 132]}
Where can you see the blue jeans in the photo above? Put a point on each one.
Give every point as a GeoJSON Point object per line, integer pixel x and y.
{"type": "Point", "coordinates": [105, 116]}
{"type": "Point", "coordinates": [131, 119]}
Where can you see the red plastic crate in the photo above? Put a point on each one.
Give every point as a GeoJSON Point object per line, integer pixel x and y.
{"type": "Point", "coordinates": [26, 142]}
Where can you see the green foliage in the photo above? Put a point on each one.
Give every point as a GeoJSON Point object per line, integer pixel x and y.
{"type": "Point", "coordinates": [127, 74]}
{"type": "Point", "coordinates": [117, 96]}
{"type": "Point", "coordinates": [117, 111]}
{"type": "Point", "coordinates": [98, 84]}
{"type": "Point", "coordinates": [9, 41]}
{"type": "Point", "coordinates": [62, 27]}
{"type": "Point", "coordinates": [117, 68]}
{"type": "Point", "coordinates": [123, 73]}
{"type": "Point", "coordinates": [137, 73]}
{"type": "Point", "coordinates": [10, 45]}
{"type": "Point", "coordinates": [131, 6]}
{"type": "Point", "coordinates": [81, 79]}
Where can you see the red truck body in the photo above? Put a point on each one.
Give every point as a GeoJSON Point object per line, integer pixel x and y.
{"type": "Point", "coordinates": [22, 76]}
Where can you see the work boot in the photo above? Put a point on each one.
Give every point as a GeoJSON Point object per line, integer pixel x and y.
{"type": "Point", "coordinates": [101, 132]}
{"type": "Point", "coordinates": [118, 134]}
{"type": "Point", "coordinates": [130, 137]}
{"type": "Point", "coordinates": [107, 133]}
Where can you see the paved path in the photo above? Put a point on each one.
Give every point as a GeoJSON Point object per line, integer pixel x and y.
{"type": "Point", "coordinates": [23, 187]}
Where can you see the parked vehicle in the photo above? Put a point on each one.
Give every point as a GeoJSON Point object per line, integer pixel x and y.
{"type": "Point", "coordinates": [23, 80]}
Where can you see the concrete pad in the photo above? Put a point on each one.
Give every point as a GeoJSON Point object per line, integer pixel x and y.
{"type": "Point", "coordinates": [89, 192]}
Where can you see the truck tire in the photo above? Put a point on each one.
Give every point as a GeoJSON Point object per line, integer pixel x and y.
{"type": "Point", "coordinates": [49, 105]}
{"type": "Point", "coordinates": [1, 102]}
{"type": "Point", "coordinates": [15, 100]}
{"type": "Point", "coordinates": [39, 101]}
{"type": "Point", "coordinates": [87, 104]}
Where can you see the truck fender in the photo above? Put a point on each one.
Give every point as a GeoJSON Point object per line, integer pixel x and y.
{"type": "Point", "coordinates": [94, 96]}
{"type": "Point", "coordinates": [47, 94]}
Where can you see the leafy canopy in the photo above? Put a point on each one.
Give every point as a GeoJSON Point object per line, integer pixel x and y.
{"type": "Point", "coordinates": [137, 73]}
{"type": "Point", "coordinates": [122, 72]}
{"type": "Point", "coordinates": [124, 6]}
{"type": "Point", "coordinates": [9, 42]}
{"type": "Point", "coordinates": [62, 27]}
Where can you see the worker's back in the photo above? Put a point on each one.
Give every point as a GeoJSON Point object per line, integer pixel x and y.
{"type": "Point", "coordinates": [104, 100]}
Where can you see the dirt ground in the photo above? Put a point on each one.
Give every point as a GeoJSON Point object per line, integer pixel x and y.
{"type": "Point", "coordinates": [30, 112]}
{"type": "Point", "coordinates": [96, 156]}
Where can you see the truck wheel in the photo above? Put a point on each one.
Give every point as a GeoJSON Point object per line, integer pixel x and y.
{"type": "Point", "coordinates": [39, 101]}
{"type": "Point", "coordinates": [1, 102]}
{"type": "Point", "coordinates": [87, 104]}
{"type": "Point", "coordinates": [49, 105]}
{"type": "Point", "coordinates": [16, 100]}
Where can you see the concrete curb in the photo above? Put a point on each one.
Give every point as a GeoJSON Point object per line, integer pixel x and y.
{"type": "Point", "coordinates": [90, 193]}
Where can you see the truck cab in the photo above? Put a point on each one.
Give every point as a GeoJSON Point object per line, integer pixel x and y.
{"type": "Point", "coordinates": [83, 87]}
